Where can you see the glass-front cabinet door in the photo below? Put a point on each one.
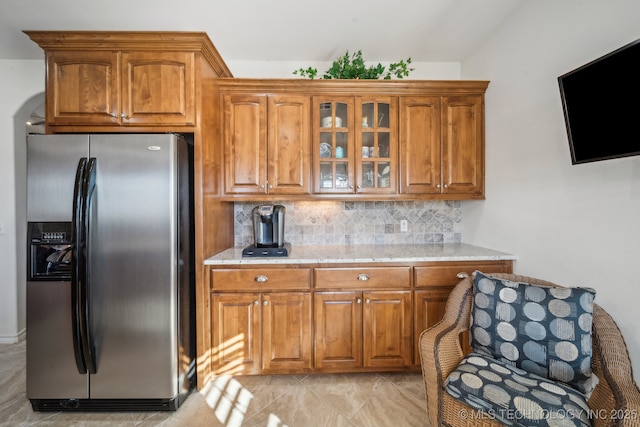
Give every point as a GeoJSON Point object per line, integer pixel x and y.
{"type": "Point", "coordinates": [376, 144]}
{"type": "Point", "coordinates": [334, 149]}
{"type": "Point", "coordinates": [355, 145]}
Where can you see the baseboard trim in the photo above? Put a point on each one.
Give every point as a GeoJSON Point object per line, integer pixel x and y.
{"type": "Point", "coordinates": [12, 339]}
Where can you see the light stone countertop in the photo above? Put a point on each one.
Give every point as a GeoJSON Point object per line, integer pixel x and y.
{"type": "Point", "coordinates": [314, 254]}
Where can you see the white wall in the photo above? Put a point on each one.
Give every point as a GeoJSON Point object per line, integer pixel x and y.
{"type": "Point", "coordinates": [20, 82]}
{"type": "Point", "coordinates": [574, 225]}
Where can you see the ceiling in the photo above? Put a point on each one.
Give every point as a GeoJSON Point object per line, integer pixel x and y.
{"type": "Point", "coordinates": [275, 30]}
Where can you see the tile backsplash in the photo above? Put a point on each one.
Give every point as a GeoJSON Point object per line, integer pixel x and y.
{"type": "Point", "coordinates": [340, 222]}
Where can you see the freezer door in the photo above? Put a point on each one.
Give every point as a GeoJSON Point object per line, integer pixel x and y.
{"type": "Point", "coordinates": [51, 367]}
{"type": "Point", "coordinates": [51, 167]}
{"type": "Point", "coordinates": [133, 262]}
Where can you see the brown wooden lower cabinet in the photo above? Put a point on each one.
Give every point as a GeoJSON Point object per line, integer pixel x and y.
{"type": "Point", "coordinates": [433, 282]}
{"type": "Point", "coordinates": [340, 319]}
{"type": "Point", "coordinates": [235, 333]}
{"type": "Point", "coordinates": [362, 330]}
{"type": "Point", "coordinates": [338, 330]}
{"type": "Point", "coordinates": [261, 333]}
{"type": "Point", "coordinates": [387, 329]}
{"type": "Point", "coordinates": [428, 310]}
{"type": "Point", "coordinates": [286, 332]}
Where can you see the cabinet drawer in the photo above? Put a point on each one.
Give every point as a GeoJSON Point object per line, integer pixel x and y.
{"type": "Point", "coordinates": [263, 279]}
{"type": "Point", "coordinates": [447, 274]}
{"type": "Point", "coordinates": [360, 278]}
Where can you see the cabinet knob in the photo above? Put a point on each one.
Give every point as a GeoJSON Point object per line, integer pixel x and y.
{"type": "Point", "coordinates": [114, 115]}
{"type": "Point", "coordinates": [351, 187]}
{"type": "Point", "coordinates": [437, 185]}
{"type": "Point", "coordinates": [363, 277]}
{"type": "Point", "coordinates": [359, 187]}
{"type": "Point", "coordinates": [256, 303]}
{"type": "Point", "coordinates": [358, 300]}
{"type": "Point", "coordinates": [368, 301]}
{"type": "Point", "coordinates": [261, 278]}
{"type": "Point", "coordinates": [124, 116]}
{"type": "Point", "coordinates": [265, 302]}
{"type": "Point", "coordinates": [446, 186]}
{"type": "Point", "coordinates": [270, 186]}
{"type": "Point", "coordinates": [462, 275]}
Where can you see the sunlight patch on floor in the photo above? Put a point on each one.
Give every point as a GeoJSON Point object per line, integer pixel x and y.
{"type": "Point", "coordinates": [228, 398]}
{"type": "Point", "coordinates": [274, 421]}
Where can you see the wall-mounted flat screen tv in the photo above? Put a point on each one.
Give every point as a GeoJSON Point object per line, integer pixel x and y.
{"type": "Point", "coordinates": [601, 102]}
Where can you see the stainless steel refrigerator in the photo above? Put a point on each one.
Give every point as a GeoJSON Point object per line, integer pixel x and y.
{"type": "Point", "coordinates": [110, 283]}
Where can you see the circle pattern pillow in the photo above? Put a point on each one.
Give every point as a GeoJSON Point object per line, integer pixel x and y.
{"type": "Point", "coordinates": [543, 330]}
{"type": "Point", "coordinates": [514, 396]}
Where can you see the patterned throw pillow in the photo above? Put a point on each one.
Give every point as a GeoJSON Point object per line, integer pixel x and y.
{"type": "Point", "coordinates": [514, 396]}
{"type": "Point", "coordinates": [543, 330]}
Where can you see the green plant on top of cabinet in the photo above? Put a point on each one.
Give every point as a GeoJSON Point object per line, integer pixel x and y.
{"type": "Point", "coordinates": [266, 140]}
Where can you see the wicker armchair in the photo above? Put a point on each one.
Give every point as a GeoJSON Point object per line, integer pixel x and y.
{"type": "Point", "coordinates": [615, 401]}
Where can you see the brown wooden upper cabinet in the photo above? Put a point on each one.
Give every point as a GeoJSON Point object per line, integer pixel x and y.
{"type": "Point", "coordinates": [355, 145]}
{"type": "Point", "coordinates": [125, 79]}
{"type": "Point", "coordinates": [442, 145]}
{"type": "Point", "coordinates": [266, 140]}
{"type": "Point", "coordinates": [353, 139]}
{"type": "Point", "coordinates": [120, 88]}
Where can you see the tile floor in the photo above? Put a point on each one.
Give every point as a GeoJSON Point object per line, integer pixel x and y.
{"type": "Point", "coordinates": [254, 401]}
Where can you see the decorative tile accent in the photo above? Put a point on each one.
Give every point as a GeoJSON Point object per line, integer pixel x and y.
{"type": "Point", "coordinates": [330, 222]}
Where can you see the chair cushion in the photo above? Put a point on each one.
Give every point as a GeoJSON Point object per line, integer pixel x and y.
{"type": "Point", "coordinates": [513, 396]}
{"type": "Point", "coordinates": [545, 330]}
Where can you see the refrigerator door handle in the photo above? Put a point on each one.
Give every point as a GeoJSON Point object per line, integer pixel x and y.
{"type": "Point", "coordinates": [84, 285]}
{"type": "Point", "coordinates": [77, 228]}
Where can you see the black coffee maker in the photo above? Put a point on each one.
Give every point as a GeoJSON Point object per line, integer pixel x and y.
{"type": "Point", "coordinates": [268, 232]}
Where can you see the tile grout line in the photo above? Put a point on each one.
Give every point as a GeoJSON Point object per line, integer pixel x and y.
{"type": "Point", "coordinates": [346, 417]}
